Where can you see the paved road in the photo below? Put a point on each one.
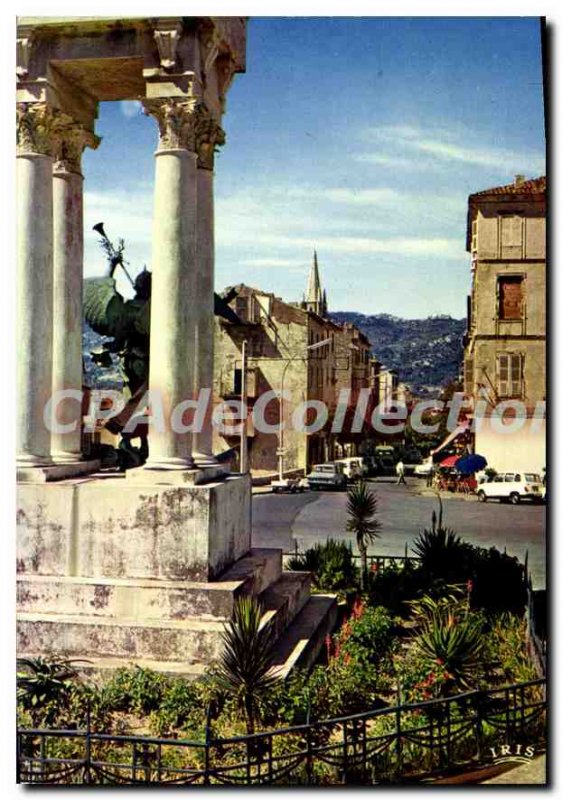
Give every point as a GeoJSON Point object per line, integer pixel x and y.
{"type": "Point", "coordinates": [279, 520]}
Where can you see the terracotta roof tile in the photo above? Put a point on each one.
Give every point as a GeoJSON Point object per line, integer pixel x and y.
{"type": "Point", "coordinates": [532, 186]}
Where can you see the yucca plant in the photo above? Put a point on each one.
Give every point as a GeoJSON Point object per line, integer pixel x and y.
{"type": "Point", "coordinates": [455, 642]}
{"type": "Point", "coordinates": [443, 554]}
{"type": "Point", "coordinates": [243, 671]}
{"type": "Point", "coordinates": [362, 507]}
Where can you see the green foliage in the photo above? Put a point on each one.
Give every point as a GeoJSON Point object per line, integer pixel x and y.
{"type": "Point", "coordinates": [331, 563]}
{"type": "Point", "coordinates": [443, 554]}
{"type": "Point", "coordinates": [243, 670]}
{"type": "Point", "coordinates": [137, 690]}
{"type": "Point", "coordinates": [453, 639]}
{"type": "Point", "coordinates": [394, 586]}
{"type": "Point", "coordinates": [181, 705]}
{"type": "Point", "coordinates": [368, 638]}
{"type": "Point", "coordinates": [496, 580]}
{"type": "Point", "coordinates": [506, 646]}
{"type": "Point", "coordinates": [362, 522]}
{"type": "Point", "coordinates": [42, 685]}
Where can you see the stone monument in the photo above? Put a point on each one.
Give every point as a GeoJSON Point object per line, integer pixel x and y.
{"type": "Point", "coordinates": [145, 567]}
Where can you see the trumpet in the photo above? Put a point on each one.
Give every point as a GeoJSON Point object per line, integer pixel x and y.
{"type": "Point", "coordinates": [115, 256]}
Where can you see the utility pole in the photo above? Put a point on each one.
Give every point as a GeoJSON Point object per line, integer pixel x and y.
{"type": "Point", "coordinates": [244, 402]}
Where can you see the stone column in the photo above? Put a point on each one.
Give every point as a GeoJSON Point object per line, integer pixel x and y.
{"type": "Point", "coordinates": [211, 135]}
{"type": "Point", "coordinates": [34, 208]}
{"type": "Point", "coordinates": [68, 258]}
{"type": "Point", "coordinates": [174, 289]}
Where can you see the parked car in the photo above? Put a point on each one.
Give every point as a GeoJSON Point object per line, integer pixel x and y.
{"type": "Point", "coordinates": [512, 487]}
{"type": "Point", "coordinates": [423, 469]}
{"type": "Point", "coordinates": [352, 467]}
{"type": "Point", "coordinates": [327, 476]}
{"type": "Point", "coordinates": [289, 485]}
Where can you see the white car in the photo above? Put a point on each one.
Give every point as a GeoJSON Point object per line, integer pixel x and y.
{"type": "Point", "coordinates": [424, 468]}
{"type": "Point", "coordinates": [353, 468]}
{"type": "Point", "coordinates": [512, 487]}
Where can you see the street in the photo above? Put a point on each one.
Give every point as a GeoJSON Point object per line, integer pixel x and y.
{"type": "Point", "coordinates": [280, 520]}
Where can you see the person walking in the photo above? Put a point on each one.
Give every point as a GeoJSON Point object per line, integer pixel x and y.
{"type": "Point", "coordinates": [400, 473]}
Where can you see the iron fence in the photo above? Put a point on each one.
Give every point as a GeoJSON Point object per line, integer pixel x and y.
{"type": "Point", "coordinates": [376, 562]}
{"type": "Point", "coordinates": [389, 745]}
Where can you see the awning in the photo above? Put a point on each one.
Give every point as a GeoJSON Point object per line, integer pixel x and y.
{"type": "Point", "coordinates": [462, 428]}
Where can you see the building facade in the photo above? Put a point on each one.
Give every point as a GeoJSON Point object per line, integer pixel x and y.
{"type": "Point", "coordinates": [505, 342]}
{"type": "Point", "coordinates": [292, 350]}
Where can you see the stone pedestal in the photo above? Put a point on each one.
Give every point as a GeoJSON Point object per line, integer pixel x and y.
{"type": "Point", "coordinates": [118, 572]}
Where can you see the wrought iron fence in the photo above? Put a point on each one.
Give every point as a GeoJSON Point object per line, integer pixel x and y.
{"type": "Point", "coordinates": [389, 745]}
{"type": "Point", "coordinates": [376, 562]}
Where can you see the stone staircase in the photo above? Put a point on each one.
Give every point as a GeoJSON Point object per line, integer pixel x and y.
{"type": "Point", "coordinates": [171, 626]}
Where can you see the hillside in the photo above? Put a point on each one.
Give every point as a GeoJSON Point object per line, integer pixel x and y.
{"type": "Point", "coordinates": [426, 352]}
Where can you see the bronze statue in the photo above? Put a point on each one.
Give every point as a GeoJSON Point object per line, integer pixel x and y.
{"type": "Point", "coordinates": [127, 322]}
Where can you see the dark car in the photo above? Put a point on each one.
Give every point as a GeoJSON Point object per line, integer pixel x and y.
{"type": "Point", "coordinates": [327, 476]}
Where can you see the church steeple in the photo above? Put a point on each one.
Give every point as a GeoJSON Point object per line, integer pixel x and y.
{"type": "Point", "coordinates": [315, 298]}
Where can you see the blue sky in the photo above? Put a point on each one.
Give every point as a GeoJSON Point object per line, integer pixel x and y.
{"type": "Point", "coordinates": [359, 137]}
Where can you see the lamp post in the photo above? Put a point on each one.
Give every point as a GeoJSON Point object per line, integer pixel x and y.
{"type": "Point", "coordinates": [244, 403]}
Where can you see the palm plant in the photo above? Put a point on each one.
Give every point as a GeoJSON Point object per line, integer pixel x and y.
{"type": "Point", "coordinates": [244, 669]}
{"type": "Point", "coordinates": [362, 507]}
{"type": "Point", "coordinates": [40, 681]}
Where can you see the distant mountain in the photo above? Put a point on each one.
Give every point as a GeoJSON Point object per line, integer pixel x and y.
{"type": "Point", "coordinates": [426, 352]}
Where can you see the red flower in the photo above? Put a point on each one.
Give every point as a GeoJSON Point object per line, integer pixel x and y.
{"type": "Point", "coordinates": [469, 585]}
{"type": "Point", "coordinates": [439, 661]}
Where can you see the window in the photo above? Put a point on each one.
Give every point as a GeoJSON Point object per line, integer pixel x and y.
{"type": "Point", "coordinates": [510, 297]}
{"type": "Point", "coordinates": [511, 230]}
{"type": "Point", "coordinates": [242, 308]}
{"type": "Point", "coordinates": [509, 374]}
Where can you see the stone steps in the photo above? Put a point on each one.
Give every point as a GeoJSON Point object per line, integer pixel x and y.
{"type": "Point", "coordinates": [184, 647]}
{"type": "Point", "coordinates": [74, 635]}
{"type": "Point", "coordinates": [283, 600]}
{"type": "Point", "coordinates": [150, 599]}
{"type": "Point", "coordinates": [303, 640]}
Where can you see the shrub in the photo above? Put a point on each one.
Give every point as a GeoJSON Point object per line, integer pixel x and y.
{"type": "Point", "coordinates": [368, 637]}
{"type": "Point", "coordinates": [331, 563]}
{"type": "Point", "coordinates": [181, 705]}
{"type": "Point", "coordinates": [394, 586]}
{"type": "Point", "coordinates": [137, 690]}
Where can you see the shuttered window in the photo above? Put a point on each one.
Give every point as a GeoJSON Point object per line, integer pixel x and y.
{"type": "Point", "coordinates": [511, 231]}
{"type": "Point", "coordinates": [509, 374]}
{"type": "Point", "coordinates": [510, 297]}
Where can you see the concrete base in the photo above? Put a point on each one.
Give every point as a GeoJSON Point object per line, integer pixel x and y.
{"type": "Point", "coordinates": [177, 477]}
{"type": "Point", "coordinates": [124, 572]}
{"type": "Point", "coordinates": [116, 528]}
{"type": "Point", "coordinates": [56, 472]}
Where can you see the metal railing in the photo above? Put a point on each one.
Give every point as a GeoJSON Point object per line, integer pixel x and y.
{"type": "Point", "coordinates": [388, 745]}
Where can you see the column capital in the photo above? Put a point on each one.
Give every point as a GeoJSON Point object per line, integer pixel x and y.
{"type": "Point", "coordinates": [177, 121]}
{"type": "Point", "coordinates": [210, 135]}
{"type": "Point", "coordinates": [37, 126]}
{"type": "Point", "coordinates": [71, 140]}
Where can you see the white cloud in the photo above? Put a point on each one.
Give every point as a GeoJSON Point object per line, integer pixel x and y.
{"type": "Point", "coordinates": [444, 146]}
{"type": "Point", "coordinates": [130, 108]}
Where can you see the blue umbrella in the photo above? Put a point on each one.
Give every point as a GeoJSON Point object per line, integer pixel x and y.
{"type": "Point", "coordinates": [468, 465]}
